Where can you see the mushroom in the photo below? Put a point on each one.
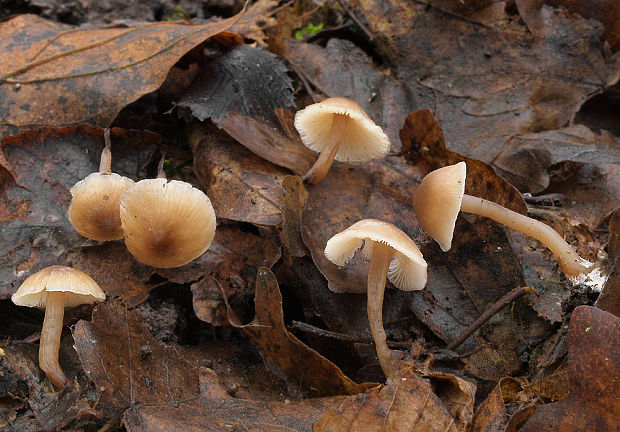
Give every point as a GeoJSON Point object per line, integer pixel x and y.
{"type": "Point", "coordinates": [393, 254]}
{"type": "Point", "coordinates": [441, 195]}
{"type": "Point", "coordinates": [94, 209]}
{"type": "Point", "coordinates": [166, 224]}
{"type": "Point", "coordinates": [338, 128]}
{"type": "Point", "coordinates": [53, 289]}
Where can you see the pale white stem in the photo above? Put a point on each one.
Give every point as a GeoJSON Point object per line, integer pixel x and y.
{"type": "Point", "coordinates": [570, 262]}
{"type": "Point", "coordinates": [105, 163]}
{"type": "Point", "coordinates": [377, 273]}
{"type": "Point", "coordinates": [49, 344]}
{"type": "Point", "coordinates": [327, 155]}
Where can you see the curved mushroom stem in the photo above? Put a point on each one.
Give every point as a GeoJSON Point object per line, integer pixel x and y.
{"type": "Point", "coordinates": [50, 338]}
{"type": "Point", "coordinates": [377, 273]}
{"type": "Point", "coordinates": [105, 163]}
{"type": "Point", "coordinates": [570, 262]}
{"type": "Point", "coordinates": [327, 155]}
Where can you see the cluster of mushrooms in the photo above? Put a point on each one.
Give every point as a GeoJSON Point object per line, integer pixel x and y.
{"type": "Point", "coordinates": [168, 224]}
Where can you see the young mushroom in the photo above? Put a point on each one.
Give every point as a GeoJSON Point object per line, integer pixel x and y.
{"type": "Point", "coordinates": [94, 209]}
{"type": "Point", "coordinates": [441, 195]}
{"type": "Point", "coordinates": [53, 289]}
{"type": "Point", "coordinates": [393, 254]}
{"type": "Point", "coordinates": [338, 128]}
{"type": "Point", "coordinates": [166, 224]}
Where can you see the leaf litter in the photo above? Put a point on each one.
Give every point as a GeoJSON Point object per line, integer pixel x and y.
{"type": "Point", "coordinates": [504, 94]}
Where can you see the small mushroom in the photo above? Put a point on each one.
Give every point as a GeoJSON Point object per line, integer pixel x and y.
{"type": "Point", "coordinates": [393, 254]}
{"type": "Point", "coordinates": [338, 128]}
{"type": "Point", "coordinates": [53, 289]}
{"type": "Point", "coordinates": [166, 224]}
{"type": "Point", "coordinates": [441, 195]}
{"type": "Point", "coordinates": [94, 209]}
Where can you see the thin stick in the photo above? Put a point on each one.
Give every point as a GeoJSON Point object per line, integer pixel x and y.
{"type": "Point", "coordinates": [355, 20]}
{"type": "Point", "coordinates": [499, 305]}
{"type": "Point", "coordinates": [307, 328]}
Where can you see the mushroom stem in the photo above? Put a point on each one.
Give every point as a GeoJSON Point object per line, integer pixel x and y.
{"type": "Point", "coordinates": [49, 344]}
{"type": "Point", "coordinates": [327, 155]}
{"type": "Point", "coordinates": [377, 273]}
{"type": "Point", "coordinates": [105, 163]}
{"type": "Point", "coordinates": [570, 262]}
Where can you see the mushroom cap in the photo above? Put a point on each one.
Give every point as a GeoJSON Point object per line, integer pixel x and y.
{"type": "Point", "coordinates": [437, 202]}
{"type": "Point", "coordinates": [363, 139]}
{"type": "Point", "coordinates": [407, 269]}
{"type": "Point", "coordinates": [78, 286]}
{"type": "Point", "coordinates": [95, 207]}
{"type": "Point", "coordinates": [166, 224]}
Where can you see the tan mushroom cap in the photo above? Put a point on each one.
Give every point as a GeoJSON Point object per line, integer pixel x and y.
{"type": "Point", "coordinates": [408, 268]}
{"type": "Point", "coordinates": [78, 286]}
{"type": "Point", "coordinates": [363, 139]}
{"type": "Point", "coordinates": [95, 207]}
{"type": "Point", "coordinates": [437, 202]}
{"type": "Point", "coordinates": [167, 224]}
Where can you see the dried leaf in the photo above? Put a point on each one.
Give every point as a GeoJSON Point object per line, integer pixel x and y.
{"type": "Point", "coordinates": [406, 402]}
{"type": "Point", "coordinates": [609, 300]}
{"type": "Point", "coordinates": [283, 351]}
{"type": "Point", "coordinates": [271, 142]}
{"type": "Point", "coordinates": [56, 75]}
{"type": "Point", "coordinates": [593, 371]}
{"type": "Point", "coordinates": [293, 202]}
{"type": "Point", "coordinates": [215, 410]}
{"type": "Point", "coordinates": [246, 80]}
{"type": "Point", "coordinates": [241, 185]}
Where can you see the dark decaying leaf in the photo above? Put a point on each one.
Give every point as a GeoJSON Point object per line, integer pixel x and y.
{"type": "Point", "coordinates": [246, 80]}
{"type": "Point", "coordinates": [286, 354]}
{"type": "Point", "coordinates": [293, 203]}
{"type": "Point", "coordinates": [607, 13]}
{"type": "Point", "coordinates": [593, 371]}
{"type": "Point", "coordinates": [491, 414]}
{"type": "Point", "coordinates": [215, 410]}
{"type": "Point", "coordinates": [232, 261]}
{"type": "Point", "coordinates": [55, 75]}
{"type": "Point", "coordinates": [41, 167]}
{"type": "Point", "coordinates": [119, 354]}
{"type": "Point", "coordinates": [406, 402]}
{"type": "Point", "coordinates": [609, 300]}
{"type": "Point", "coordinates": [532, 163]}
{"type": "Point", "coordinates": [29, 402]}
{"type": "Point", "coordinates": [241, 185]}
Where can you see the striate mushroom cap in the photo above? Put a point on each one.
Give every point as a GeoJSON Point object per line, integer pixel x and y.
{"type": "Point", "coordinates": [408, 268]}
{"type": "Point", "coordinates": [78, 286]}
{"type": "Point", "coordinates": [363, 139]}
{"type": "Point", "coordinates": [437, 202]}
{"type": "Point", "coordinates": [166, 224]}
{"type": "Point", "coordinates": [95, 207]}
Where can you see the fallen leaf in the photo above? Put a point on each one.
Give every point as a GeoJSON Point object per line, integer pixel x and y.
{"type": "Point", "coordinates": [246, 80]}
{"type": "Point", "coordinates": [271, 142]}
{"type": "Point", "coordinates": [492, 414]}
{"type": "Point", "coordinates": [283, 351]}
{"type": "Point", "coordinates": [293, 203]}
{"type": "Point", "coordinates": [593, 371]}
{"type": "Point", "coordinates": [215, 410]}
{"type": "Point", "coordinates": [257, 17]}
{"type": "Point", "coordinates": [608, 13]}
{"type": "Point", "coordinates": [406, 402]}
{"type": "Point", "coordinates": [241, 185]}
{"type": "Point", "coordinates": [56, 75]}
{"type": "Point", "coordinates": [609, 300]}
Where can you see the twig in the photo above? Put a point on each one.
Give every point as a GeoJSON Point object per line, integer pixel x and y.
{"type": "Point", "coordinates": [339, 336]}
{"type": "Point", "coordinates": [499, 305]}
{"type": "Point", "coordinates": [355, 20]}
